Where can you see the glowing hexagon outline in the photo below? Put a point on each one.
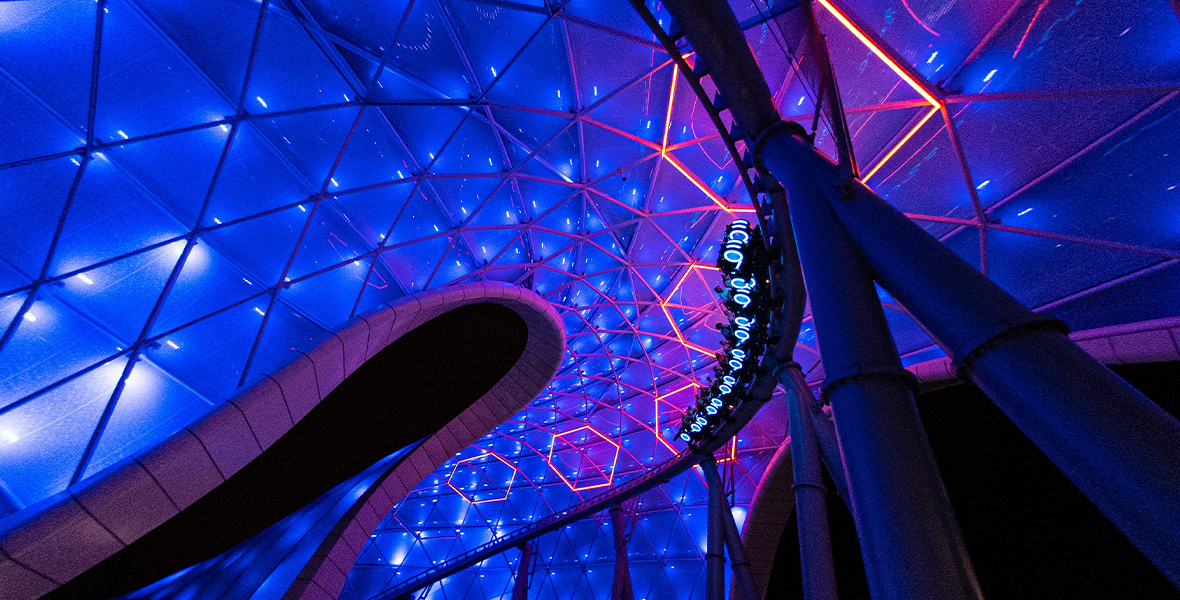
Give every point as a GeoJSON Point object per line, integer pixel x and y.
{"type": "Point", "coordinates": [614, 461]}
{"type": "Point", "coordinates": [515, 471]}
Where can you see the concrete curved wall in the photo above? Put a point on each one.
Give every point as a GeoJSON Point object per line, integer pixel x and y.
{"type": "Point", "coordinates": [770, 511]}
{"type": "Point", "coordinates": [55, 540]}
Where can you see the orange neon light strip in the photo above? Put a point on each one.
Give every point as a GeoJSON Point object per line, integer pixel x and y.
{"type": "Point", "coordinates": [660, 399]}
{"type": "Point", "coordinates": [702, 187]}
{"type": "Point", "coordinates": [879, 52]}
{"type": "Point", "coordinates": [610, 478]}
{"type": "Point", "coordinates": [905, 139]}
{"type": "Point", "coordinates": [671, 102]}
{"type": "Point", "coordinates": [900, 72]}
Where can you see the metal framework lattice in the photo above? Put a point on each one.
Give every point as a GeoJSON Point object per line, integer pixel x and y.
{"type": "Point", "coordinates": [193, 193]}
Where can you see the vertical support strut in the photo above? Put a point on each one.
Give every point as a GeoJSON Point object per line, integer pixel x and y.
{"type": "Point", "coordinates": [829, 446]}
{"type": "Point", "coordinates": [520, 587]}
{"type": "Point", "coordinates": [621, 587]}
{"type": "Point", "coordinates": [815, 542]}
{"type": "Point", "coordinates": [715, 542]}
{"type": "Point", "coordinates": [788, 276]}
{"type": "Point", "coordinates": [742, 578]}
{"type": "Point", "coordinates": [910, 540]}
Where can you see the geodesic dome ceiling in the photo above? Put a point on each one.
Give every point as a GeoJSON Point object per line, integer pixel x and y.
{"type": "Point", "coordinates": [194, 191]}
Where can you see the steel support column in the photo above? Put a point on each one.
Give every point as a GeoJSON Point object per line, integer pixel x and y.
{"type": "Point", "coordinates": [788, 276]}
{"type": "Point", "coordinates": [520, 587]}
{"type": "Point", "coordinates": [621, 587]}
{"type": "Point", "coordinates": [910, 541]}
{"type": "Point", "coordinates": [811, 511]}
{"type": "Point", "coordinates": [829, 447]}
{"type": "Point", "coordinates": [1118, 447]}
{"type": "Point", "coordinates": [715, 541]}
{"type": "Point", "coordinates": [742, 578]}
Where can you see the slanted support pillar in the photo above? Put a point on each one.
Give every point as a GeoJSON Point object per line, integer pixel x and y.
{"type": "Point", "coordinates": [520, 587]}
{"type": "Point", "coordinates": [621, 587]}
{"type": "Point", "coordinates": [742, 578]}
{"type": "Point", "coordinates": [910, 541]}
{"type": "Point", "coordinates": [1117, 446]}
{"type": "Point", "coordinates": [811, 510]}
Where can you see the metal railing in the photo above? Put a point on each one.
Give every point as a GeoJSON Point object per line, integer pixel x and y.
{"type": "Point", "coordinates": [637, 485]}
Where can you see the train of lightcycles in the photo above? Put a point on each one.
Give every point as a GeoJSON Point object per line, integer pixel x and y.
{"type": "Point", "coordinates": [744, 263]}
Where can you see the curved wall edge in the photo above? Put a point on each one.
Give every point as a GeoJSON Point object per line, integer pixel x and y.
{"type": "Point", "coordinates": [324, 575]}
{"type": "Point", "coordinates": [57, 539]}
{"type": "Point", "coordinates": [770, 511]}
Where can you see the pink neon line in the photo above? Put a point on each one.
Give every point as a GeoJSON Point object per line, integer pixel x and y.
{"type": "Point", "coordinates": [920, 22]}
{"type": "Point", "coordinates": [1030, 26]}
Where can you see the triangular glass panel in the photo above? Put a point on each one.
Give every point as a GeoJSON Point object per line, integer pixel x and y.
{"type": "Point", "coordinates": [35, 195]}
{"type": "Point", "coordinates": [473, 149]}
{"type": "Point", "coordinates": [328, 297]}
{"type": "Point", "coordinates": [865, 79]}
{"type": "Point", "coordinates": [261, 246]}
{"type": "Point", "coordinates": [177, 168]}
{"type": "Point", "coordinates": [111, 215]}
{"type": "Point", "coordinates": [141, 68]}
{"type": "Point", "coordinates": [540, 197]}
{"type": "Point", "coordinates": [924, 177]}
{"type": "Point", "coordinates": [36, 132]}
{"type": "Point", "coordinates": [1074, 47]}
{"type": "Point", "coordinates": [374, 155]}
{"type": "Point", "coordinates": [598, 78]}
{"type": "Point", "coordinates": [629, 188]}
{"type": "Point", "coordinates": [209, 355]}
{"type": "Point", "coordinates": [151, 407]}
{"type": "Point", "coordinates": [413, 265]}
{"type": "Point", "coordinates": [875, 134]}
{"type": "Point", "coordinates": [423, 51]}
{"type": "Point", "coordinates": [45, 438]}
{"type": "Point", "coordinates": [513, 264]}
{"type": "Point", "coordinates": [711, 164]}
{"type": "Point", "coordinates": [372, 212]}
{"type": "Point", "coordinates": [122, 294]}
{"type": "Point", "coordinates": [498, 211]}
{"type": "Point", "coordinates": [676, 188]}
{"type": "Point", "coordinates": [311, 141]}
{"type": "Point", "coordinates": [563, 155]}
{"type": "Point", "coordinates": [368, 24]}
{"type": "Point", "coordinates": [51, 341]}
{"type": "Point", "coordinates": [688, 230]}
{"type": "Point", "coordinates": [1044, 140]}
{"type": "Point", "coordinates": [380, 288]}
{"type": "Point", "coordinates": [207, 283]}
{"type": "Point", "coordinates": [609, 154]}
{"type": "Point", "coordinates": [455, 267]}
{"type": "Point", "coordinates": [364, 65]}
{"type": "Point", "coordinates": [531, 129]}
{"type": "Point", "coordinates": [565, 217]}
{"type": "Point", "coordinates": [622, 111]}
{"type": "Point", "coordinates": [463, 196]}
{"type": "Point", "coordinates": [10, 280]}
{"type": "Point", "coordinates": [420, 218]}
{"type": "Point", "coordinates": [544, 59]}
{"type": "Point", "coordinates": [48, 47]}
{"type": "Point", "coordinates": [492, 35]}
{"type": "Point", "coordinates": [1039, 270]}
{"type": "Point", "coordinates": [326, 243]}
{"type": "Point", "coordinates": [424, 129]}
{"type": "Point", "coordinates": [291, 71]}
{"type": "Point", "coordinates": [215, 34]}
